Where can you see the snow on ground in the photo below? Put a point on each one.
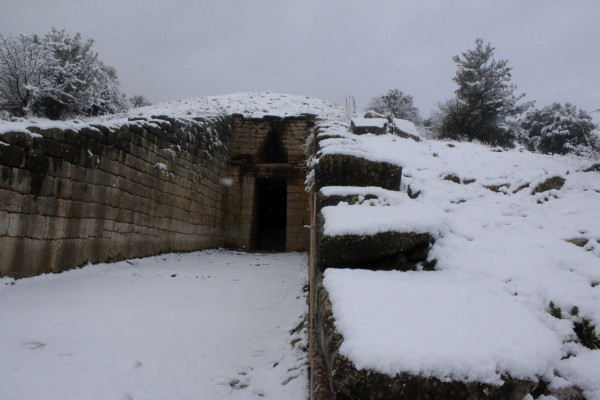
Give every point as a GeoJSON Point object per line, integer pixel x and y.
{"type": "Point", "coordinates": [502, 255]}
{"type": "Point", "coordinates": [205, 325]}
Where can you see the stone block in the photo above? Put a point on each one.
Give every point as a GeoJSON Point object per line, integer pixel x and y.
{"type": "Point", "coordinates": [20, 139]}
{"type": "Point", "coordinates": [35, 226]}
{"type": "Point", "coordinates": [47, 206]}
{"type": "Point", "coordinates": [383, 251]}
{"type": "Point", "coordinates": [63, 188]}
{"type": "Point", "coordinates": [10, 201]}
{"type": "Point", "coordinates": [4, 219]}
{"type": "Point", "coordinates": [348, 382]}
{"type": "Point", "coordinates": [56, 228]}
{"type": "Point", "coordinates": [344, 170]}
{"type": "Point", "coordinates": [37, 163]}
{"type": "Point", "coordinates": [23, 257]}
{"type": "Point", "coordinates": [69, 254]}
{"type": "Point", "coordinates": [72, 228]}
{"type": "Point", "coordinates": [56, 149]}
{"type": "Point", "coordinates": [12, 156]}
{"type": "Point", "coordinates": [17, 225]}
{"type": "Point", "coordinates": [81, 192]}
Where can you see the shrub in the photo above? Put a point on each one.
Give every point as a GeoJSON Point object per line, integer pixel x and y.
{"type": "Point", "coordinates": [560, 129]}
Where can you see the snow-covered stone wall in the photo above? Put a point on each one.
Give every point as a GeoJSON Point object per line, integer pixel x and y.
{"type": "Point", "coordinates": [73, 193]}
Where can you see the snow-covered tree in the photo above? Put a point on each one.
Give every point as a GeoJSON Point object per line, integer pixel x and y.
{"type": "Point", "coordinates": [80, 83]}
{"type": "Point", "coordinates": [397, 103]}
{"type": "Point", "coordinates": [560, 129]}
{"type": "Point", "coordinates": [486, 106]}
{"type": "Point", "coordinates": [23, 71]}
{"type": "Point", "coordinates": [139, 100]}
{"type": "Point", "coordinates": [58, 75]}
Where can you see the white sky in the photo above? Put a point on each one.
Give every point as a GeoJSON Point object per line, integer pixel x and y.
{"type": "Point", "coordinates": [328, 49]}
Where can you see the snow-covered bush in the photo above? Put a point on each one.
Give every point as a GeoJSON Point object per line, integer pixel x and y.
{"type": "Point", "coordinates": [139, 100]}
{"type": "Point", "coordinates": [560, 129]}
{"type": "Point", "coordinates": [398, 104]}
{"type": "Point", "coordinates": [56, 76]}
{"type": "Point", "coordinates": [24, 69]}
{"type": "Point", "coordinates": [485, 106]}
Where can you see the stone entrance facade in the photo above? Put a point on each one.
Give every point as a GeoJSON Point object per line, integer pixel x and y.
{"type": "Point", "coordinates": [268, 207]}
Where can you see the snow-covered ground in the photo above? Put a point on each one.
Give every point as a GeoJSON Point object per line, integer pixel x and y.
{"type": "Point", "coordinates": [205, 325]}
{"type": "Point", "coordinates": [503, 254]}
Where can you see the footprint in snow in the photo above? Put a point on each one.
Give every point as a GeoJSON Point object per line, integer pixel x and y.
{"type": "Point", "coordinates": [237, 384]}
{"type": "Point", "coordinates": [34, 345]}
{"type": "Point", "coordinates": [258, 353]}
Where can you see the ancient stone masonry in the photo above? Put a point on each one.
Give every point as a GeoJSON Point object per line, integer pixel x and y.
{"type": "Point", "coordinates": [332, 375]}
{"type": "Point", "coordinates": [148, 185]}
{"type": "Point", "coordinates": [103, 193]}
{"type": "Point", "coordinates": [267, 202]}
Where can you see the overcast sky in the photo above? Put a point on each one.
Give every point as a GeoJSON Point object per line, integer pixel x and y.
{"type": "Point", "coordinates": [328, 49]}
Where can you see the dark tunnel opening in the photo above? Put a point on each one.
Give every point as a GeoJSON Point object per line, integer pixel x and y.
{"type": "Point", "coordinates": [270, 215]}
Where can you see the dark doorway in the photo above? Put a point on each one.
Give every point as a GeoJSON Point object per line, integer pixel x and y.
{"type": "Point", "coordinates": [270, 214]}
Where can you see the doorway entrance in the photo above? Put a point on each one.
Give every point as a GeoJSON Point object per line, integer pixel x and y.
{"type": "Point", "coordinates": [270, 198]}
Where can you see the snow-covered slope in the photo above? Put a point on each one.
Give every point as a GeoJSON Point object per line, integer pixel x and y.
{"type": "Point", "coordinates": [253, 104]}
{"type": "Point", "coordinates": [504, 253]}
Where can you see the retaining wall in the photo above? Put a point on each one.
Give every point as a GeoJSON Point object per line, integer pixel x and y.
{"type": "Point", "coordinates": [102, 193]}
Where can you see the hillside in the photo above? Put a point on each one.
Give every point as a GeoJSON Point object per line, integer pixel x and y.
{"type": "Point", "coordinates": [515, 289]}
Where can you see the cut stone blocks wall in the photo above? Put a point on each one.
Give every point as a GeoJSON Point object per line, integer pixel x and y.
{"type": "Point", "coordinates": [247, 164]}
{"type": "Point", "coordinates": [333, 375]}
{"type": "Point", "coordinates": [148, 185]}
{"type": "Point", "coordinates": [103, 193]}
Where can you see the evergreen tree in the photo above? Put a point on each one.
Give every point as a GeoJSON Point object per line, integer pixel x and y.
{"type": "Point", "coordinates": [485, 107]}
{"type": "Point", "coordinates": [397, 103]}
{"type": "Point", "coordinates": [560, 129]}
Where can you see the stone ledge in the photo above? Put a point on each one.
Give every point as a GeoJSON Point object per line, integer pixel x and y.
{"type": "Point", "coordinates": [345, 170]}
{"type": "Point", "coordinates": [349, 383]}
{"type": "Point", "coordinates": [382, 251]}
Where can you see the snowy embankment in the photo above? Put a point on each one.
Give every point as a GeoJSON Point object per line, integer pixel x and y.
{"type": "Point", "coordinates": [504, 252]}
{"type": "Point", "coordinates": [206, 325]}
{"type": "Point", "coordinates": [251, 104]}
